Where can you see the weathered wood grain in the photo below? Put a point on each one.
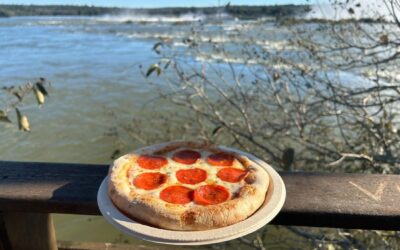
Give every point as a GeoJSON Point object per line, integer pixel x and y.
{"type": "Point", "coordinates": [75, 245]}
{"type": "Point", "coordinates": [313, 199]}
{"type": "Point", "coordinates": [4, 240]}
{"type": "Point", "coordinates": [341, 200]}
{"type": "Point", "coordinates": [30, 231]}
{"type": "Point", "coordinates": [48, 187]}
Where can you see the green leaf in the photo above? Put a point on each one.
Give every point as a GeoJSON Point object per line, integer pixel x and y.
{"type": "Point", "coordinates": [18, 95]}
{"type": "Point", "coordinates": [351, 11]}
{"type": "Point", "coordinates": [288, 157]}
{"type": "Point", "coordinates": [23, 122]}
{"type": "Point", "coordinates": [389, 126]}
{"type": "Point", "coordinates": [40, 87]}
{"type": "Point", "coordinates": [115, 154]}
{"type": "Point", "coordinates": [216, 130]}
{"type": "Point", "coordinates": [276, 76]}
{"type": "Point", "coordinates": [39, 96]}
{"type": "Point", "coordinates": [167, 64]}
{"type": "Point", "coordinates": [157, 47]}
{"type": "Point", "coordinates": [4, 117]}
{"type": "Point", "coordinates": [384, 39]}
{"type": "Point", "coordinates": [152, 68]}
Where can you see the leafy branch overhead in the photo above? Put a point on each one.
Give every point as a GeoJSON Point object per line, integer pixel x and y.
{"type": "Point", "coordinates": [153, 68]}
{"type": "Point", "coordinates": [323, 97]}
{"type": "Point", "coordinates": [18, 94]}
{"type": "Point", "coordinates": [245, 89]}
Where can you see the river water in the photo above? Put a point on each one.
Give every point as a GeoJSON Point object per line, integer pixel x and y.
{"type": "Point", "coordinates": [93, 65]}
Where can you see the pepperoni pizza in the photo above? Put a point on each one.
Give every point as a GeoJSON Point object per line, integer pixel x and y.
{"type": "Point", "coordinates": [187, 186]}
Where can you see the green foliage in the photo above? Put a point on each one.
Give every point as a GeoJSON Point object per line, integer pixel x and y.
{"type": "Point", "coordinates": [249, 12]}
{"type": "Point", "coordinates": [18, 95]}
{"type": "Point", "coordinates": [4, 13]}
{"type": "Point", "coordinates": [288, 157]}
{"type": "Point", "coordinates": [296, 21]}
{"type": "Point", "coordinates": [384, 39]}
{"type": "Point", "coordinates": [152, 68]}
{"type": "Point", "coordinates": [4, 117]}
{"type": "Point", "coordinates": [54, 10]}
{"type": "Point", "coordinates": [243, 12]}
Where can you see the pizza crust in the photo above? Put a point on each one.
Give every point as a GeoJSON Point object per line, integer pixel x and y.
{"type": "Point", "coordinates": [149, 209]}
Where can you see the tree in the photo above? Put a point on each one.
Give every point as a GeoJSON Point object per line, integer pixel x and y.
{"type": "Point", "coordinates": [14, 97]}
{"type": "Point", "coordinates": [326, 100]}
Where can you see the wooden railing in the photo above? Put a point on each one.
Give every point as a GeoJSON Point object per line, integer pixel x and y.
{"type": "Point", "coordinates": [30, 191]}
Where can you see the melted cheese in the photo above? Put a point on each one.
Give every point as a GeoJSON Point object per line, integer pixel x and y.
{"type": "Point", "coordinates": [172, 167]}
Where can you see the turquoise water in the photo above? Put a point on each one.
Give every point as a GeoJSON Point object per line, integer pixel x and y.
{"type": "Point", "coordinates": [93, 66]}
{"type": "Point", "coordinates": [91, 74]}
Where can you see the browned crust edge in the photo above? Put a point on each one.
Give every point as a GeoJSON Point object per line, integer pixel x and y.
{"type": "Point", "coordinates": [178, 217]}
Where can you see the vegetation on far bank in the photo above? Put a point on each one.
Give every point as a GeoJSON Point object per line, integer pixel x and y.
{"type": "Point", "coordinates": [53, 10]}
{"type": "Point", "coordinates": [293, 21]}
{"type": "Point", "coordinates": [243, 12]}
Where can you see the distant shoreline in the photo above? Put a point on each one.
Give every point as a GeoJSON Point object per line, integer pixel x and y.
{"type": "Point", "coordinates": [237, 11]}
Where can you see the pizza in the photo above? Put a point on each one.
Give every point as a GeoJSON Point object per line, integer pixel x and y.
{"type": "Point", "coordinates": [187, 186]}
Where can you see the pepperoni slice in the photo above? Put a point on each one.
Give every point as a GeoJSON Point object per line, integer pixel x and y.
{"type": "Point", "coordinates": [231, 174]}
{"type": "Point", "coordinates": [220, 159]}
{"type": "Point", "coordinates": [210, 194]}
{"type": "Point", "coordinates": [191, 176]}
{"type": "Point", "coordinates": [149, 181]}
{"type": "Point", "coordinates": [152, 161]}
{"type": "Point", "coordinates": [186, 156]}
{"type": "Point", "coordinates": [177, 194]}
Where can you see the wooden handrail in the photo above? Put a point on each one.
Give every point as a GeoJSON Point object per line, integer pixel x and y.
{"type": "Point", "coordinates": [364, 201]}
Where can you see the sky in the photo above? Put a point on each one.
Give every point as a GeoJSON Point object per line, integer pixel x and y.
{"type": "Point", "coordinates": [154, 3]}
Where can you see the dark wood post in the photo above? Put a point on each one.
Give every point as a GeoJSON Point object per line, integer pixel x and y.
{"type": "Point", "coordinates": [362, 201]}
{"type": "Point", "coordinates": [28, 231]}
{"type": "Point", "coordinates": [4, 241]}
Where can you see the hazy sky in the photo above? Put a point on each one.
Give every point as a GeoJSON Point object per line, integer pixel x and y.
{"type": "Point", "coordinates": [154, 3]}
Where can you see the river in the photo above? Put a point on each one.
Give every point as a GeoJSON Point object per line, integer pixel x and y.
{"type": "Point", "coordinates": [93, 66]}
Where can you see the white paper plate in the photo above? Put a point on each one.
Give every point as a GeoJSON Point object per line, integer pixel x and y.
{"type": "Point", "coordinates": [272, 205]}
